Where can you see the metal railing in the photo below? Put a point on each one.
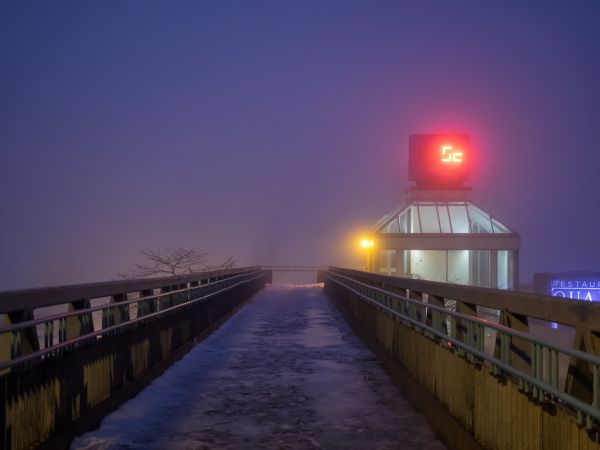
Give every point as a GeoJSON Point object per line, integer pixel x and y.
{"type": "Point", "coordinates": [441, 325]}
{"type": "Point", "coordinates": [116, 317]}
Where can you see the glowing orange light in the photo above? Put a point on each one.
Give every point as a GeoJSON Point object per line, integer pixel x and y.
{"type": "Point", "coordinates": [367, 243]}
{"type": "Point", "coordinates": [449, 155]}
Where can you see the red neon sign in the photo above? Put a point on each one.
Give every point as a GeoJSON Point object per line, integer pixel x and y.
{"type": "Point", "coordinates": [439, 161]}
{"type": "Point", "coordinates": [451, 155]}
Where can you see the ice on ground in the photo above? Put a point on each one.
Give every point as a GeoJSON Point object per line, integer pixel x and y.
{"type": "Point", "coordinates": [287, 372]}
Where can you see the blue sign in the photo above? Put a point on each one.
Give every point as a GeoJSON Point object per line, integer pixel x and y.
{"type": "Point", "coordinates": [576, 287]}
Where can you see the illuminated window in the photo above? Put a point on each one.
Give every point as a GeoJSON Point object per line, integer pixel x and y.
{"type": "Point", "coordinates": [392, 227]}
{"type": "Point", "coordinates": [459, 218]}
{"type": "Point", "coordinates": [429, 219]}
{"type": "Point", "coordinates": [480, 268]}
{"type": "Point", "coordinates": [415, 220]}
{"type": "Point", "coordinates": [458, 267]}
{"type": "Point", "coordinates": [444, 216]}
{"type": "Point", "coordinates": [498, 227]}
{"type": "Point", "coordinates": [505, 269]}
{"type": "Point", "coordinates": [440, 217]}
{"type": "Point", "coordinates": [403, 219]}
{"type": "Point", "coordinates": [428, 264]}
{"type": "Point", "coordinates": [480, 221]}
{"type": "Point", "coordinates": [388, 262]}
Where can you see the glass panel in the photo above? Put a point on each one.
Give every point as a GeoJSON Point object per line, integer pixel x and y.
{"type": "Point", "coordinates": [428, 264]}
{"type": "Point", "coordinates": [510, 264]}
{"type": "Point", "coordinates": [388, 262]}
{"type": "Point", "coordinates": [499, 228]}
{"type": "Point", "coordinates": [502, 269]}
{"type": "Point", "coordinates": [429, 219]}
{"type": "Point", "coordinates": [473, 264]}
{"type": "Point", "coordinates": [392, 227]}
{"type": "Point", "coordinates": [458, 216]}
{"type": "Point", "coordinates": [415, 223]}
{"type": "Point", "coordinates": [451, 217]}
{"type": "Point", "coordinates": [480, 268]}
{"type": "Point", "coordinates": [444, 219]}
{"type": "Point", "coordinates": [458, 266]}
{"type": "Point", "coordinates": [485, 279]}
{"type": "Point", "coordinates": [480, 221]}
{"type": "Point", "coordinates": [404, 221]}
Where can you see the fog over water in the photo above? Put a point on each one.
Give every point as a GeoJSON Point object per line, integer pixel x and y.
{"type": "Point", "coordinates": [277, 130]}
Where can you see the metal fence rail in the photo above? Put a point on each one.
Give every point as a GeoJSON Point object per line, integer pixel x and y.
{"type": "Point", "coordinates": [442, 325]}
{"type": "Point", "coordinates": [65, 331]}
{"type": "Point", "coordinates": [27, 299]}
{"type": "Point", "coordinates": [60, 373]}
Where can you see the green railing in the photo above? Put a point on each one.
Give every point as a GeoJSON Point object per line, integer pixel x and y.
{"type": "Point", "coordinates": [442, 325]}
{"type": "Point", "coordinates": [117, 316]}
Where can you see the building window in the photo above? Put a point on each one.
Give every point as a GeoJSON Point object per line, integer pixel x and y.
{"type": "Point", "coordinates": [445, 217]}
{"type": "Point", "coordinates": [429, 219]}
{"type": "Point", "coordinates": [480, 268]}
{"type": "Point", "coordinates": [388, 262]}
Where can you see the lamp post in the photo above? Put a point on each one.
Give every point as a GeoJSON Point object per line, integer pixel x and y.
{"type": "Point", "coordinates": [367, 245]}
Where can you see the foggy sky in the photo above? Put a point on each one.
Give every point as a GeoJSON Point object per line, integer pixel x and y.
{"type": "Point", "coordinates": [278, 129]}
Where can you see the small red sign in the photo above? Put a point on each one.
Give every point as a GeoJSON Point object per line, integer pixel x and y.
{"type": "Point", "coordinates": [440, 161]}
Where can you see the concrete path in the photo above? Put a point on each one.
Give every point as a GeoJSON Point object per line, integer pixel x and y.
{"type": "Point", "coordinates": [286, 372]}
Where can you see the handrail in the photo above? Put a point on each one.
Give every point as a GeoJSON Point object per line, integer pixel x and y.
{"type": "Point", "coordinates": [592, 359]}
{"type": "Point", "coordinates": [52, 348]}
{"type": "Point", "coordinates": [22, 299]}
{"type": "Point", "coordinates": [569, 312]}
{"type": "Point", "coordinates": [29, 323]}
{"type": "Point", "coordinates": [406, 309]}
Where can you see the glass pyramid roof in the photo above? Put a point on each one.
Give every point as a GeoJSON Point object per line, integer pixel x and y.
{"type": "Point", "coordinates": [439, 217]}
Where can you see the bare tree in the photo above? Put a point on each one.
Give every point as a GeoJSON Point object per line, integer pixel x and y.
{"type": "Point", "coordinates": [175, 262]}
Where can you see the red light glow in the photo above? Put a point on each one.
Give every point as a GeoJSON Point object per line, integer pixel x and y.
{"type": "Point", "coordinates": [439, 161]}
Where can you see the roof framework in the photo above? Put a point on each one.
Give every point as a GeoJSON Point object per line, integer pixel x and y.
{"type": "Point", "coordinates": [449, 217]}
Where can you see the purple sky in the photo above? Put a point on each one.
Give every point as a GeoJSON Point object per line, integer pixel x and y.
{"type": "Point", "coordinates": [276, 129]}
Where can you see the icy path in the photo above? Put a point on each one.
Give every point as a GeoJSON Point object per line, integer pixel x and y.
{"type": "Point", "coordinates": [286, 372]}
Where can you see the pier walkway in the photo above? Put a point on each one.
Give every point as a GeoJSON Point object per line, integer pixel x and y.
{"type": "Point", "coordinates": [285, 372]}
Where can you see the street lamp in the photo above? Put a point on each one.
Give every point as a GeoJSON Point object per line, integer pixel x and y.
{"type": "Point", "coordinates": [367, 245]}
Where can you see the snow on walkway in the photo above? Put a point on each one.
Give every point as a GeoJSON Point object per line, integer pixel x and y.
{"type": "Point", "coordinates": [285, 372]}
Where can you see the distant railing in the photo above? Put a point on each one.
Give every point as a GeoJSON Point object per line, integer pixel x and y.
{"type": "Point", "coordinates": [531, 362]}
{"type": "Point", "coordinates": [98, 309]}
{"type": "Point", "coordinates": [294, 275]}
